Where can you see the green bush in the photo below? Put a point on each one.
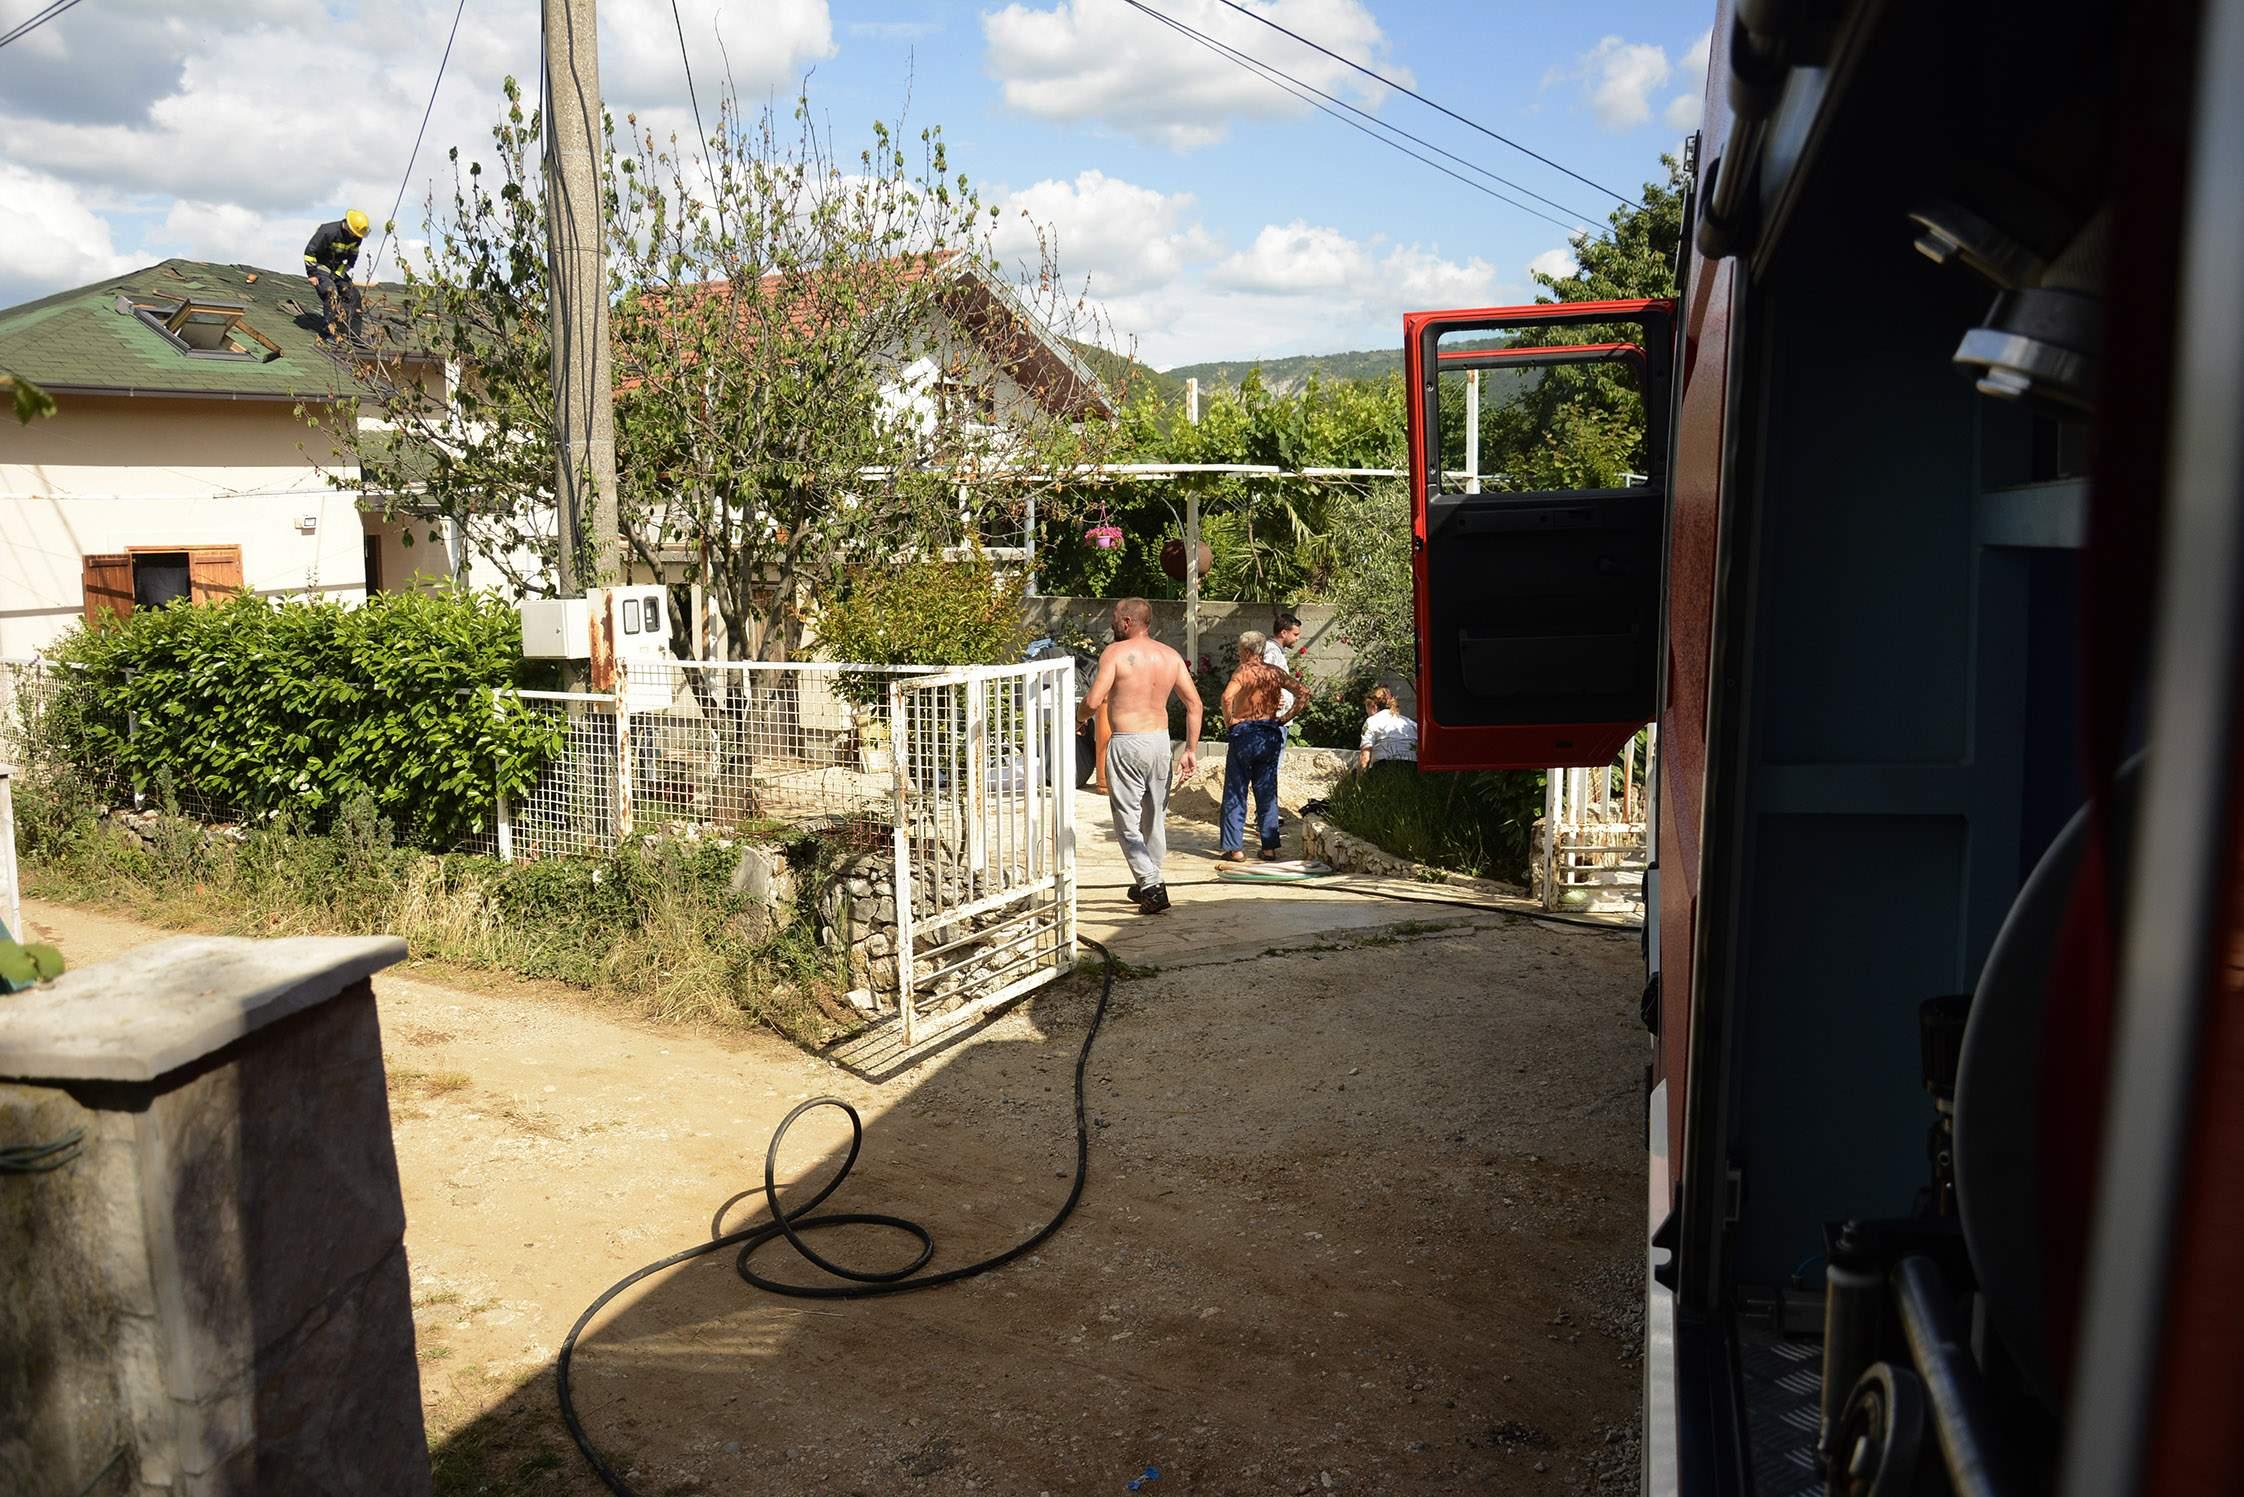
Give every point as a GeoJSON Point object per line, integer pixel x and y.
{"type": "Point", "coordinates": [928, 613]}
{"type": "Point", "coordinates": [262, 709]}
{"type": "Point", "coordinates": [1473, 823]}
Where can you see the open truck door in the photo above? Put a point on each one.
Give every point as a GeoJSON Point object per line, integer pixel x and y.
{"type": "Point", "coordinates": [1538, 604]}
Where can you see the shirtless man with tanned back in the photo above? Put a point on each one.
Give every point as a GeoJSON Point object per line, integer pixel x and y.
{"type": "Point", "coordinates": [1137, 675]}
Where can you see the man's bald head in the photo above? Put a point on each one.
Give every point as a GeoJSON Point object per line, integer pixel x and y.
{"type": "Point", "coordinates": [1132, 617]}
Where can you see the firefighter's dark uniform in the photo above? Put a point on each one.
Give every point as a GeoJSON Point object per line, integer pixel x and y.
{"type": "Point", "coordinates": [328, 260]}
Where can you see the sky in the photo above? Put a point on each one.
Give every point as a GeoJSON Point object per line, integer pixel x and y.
{"type": "Point", "coordinates": [1209, 214]}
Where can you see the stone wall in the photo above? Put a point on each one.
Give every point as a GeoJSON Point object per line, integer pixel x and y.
{"type": "Point", "coordinates": [857, 914]}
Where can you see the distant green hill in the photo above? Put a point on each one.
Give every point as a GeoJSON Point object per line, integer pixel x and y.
{"type": "Point", "coordinates": [1287, 374]}
{"type": "Point", "coordinates": [1125, 377]}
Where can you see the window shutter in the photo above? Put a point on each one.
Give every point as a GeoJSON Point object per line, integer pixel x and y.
{"type": "Point", "coordinates": [108, 586]}
{"type": "Point", "coordinates": [214, 573]}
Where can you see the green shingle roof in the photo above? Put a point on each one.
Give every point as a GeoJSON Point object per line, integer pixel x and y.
{"type": "Point", "coordinates": [78, 340]}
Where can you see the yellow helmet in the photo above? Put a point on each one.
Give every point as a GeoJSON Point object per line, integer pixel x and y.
{"type": "Point", "coordinates": [358, 221]}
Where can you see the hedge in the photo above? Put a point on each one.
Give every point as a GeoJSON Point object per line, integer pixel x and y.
{"type": "Point", "coordinates": [254, 708]}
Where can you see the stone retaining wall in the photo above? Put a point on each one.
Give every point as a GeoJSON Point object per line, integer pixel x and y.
{"type": "Point", "coordinates": [857, 914]}
{"type": "Point", "coordinates": [1326, 843]}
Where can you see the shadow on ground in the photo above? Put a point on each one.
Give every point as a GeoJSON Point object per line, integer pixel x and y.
{"type": "Point", "coordinates": [1364, 1217]}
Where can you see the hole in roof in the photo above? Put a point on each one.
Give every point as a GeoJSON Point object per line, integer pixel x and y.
{"type": "Point", "coordinates": [202, 328]}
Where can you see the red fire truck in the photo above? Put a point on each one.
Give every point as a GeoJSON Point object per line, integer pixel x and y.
{"type": "Point", "coordinates": [1933, 582]}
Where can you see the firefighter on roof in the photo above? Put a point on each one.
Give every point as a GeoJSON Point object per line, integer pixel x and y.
{"type": "Point", "coordinates": [327, 262]}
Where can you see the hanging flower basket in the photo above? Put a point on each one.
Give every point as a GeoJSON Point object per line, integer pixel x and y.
{"type": "Point", "coordinates": [1105, 537]}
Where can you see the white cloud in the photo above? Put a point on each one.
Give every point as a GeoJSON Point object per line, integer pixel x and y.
{"type": "Point", "coordinates": [1619, 78]}
{"type": "Point", "coordinates": [1558, 264]}
{"type": "Point", "coordinates": [251, 121]}
{"type": "Point", "coordinates": [1296, 288]}
{"type": "Point", "coordinates": [1292, 259]}
{"type": "Point", "coordinates": [1684, 109]}
{"type": "Point", "coordinates": [1102, 60]}
{"type": "Point", "coordinates": [54, 239]}
{"type": "Point", "coordinates": [1125, 239]}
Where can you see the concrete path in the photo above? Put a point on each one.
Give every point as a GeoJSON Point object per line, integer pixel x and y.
{"type": "Point", "coordinates": [1212, 920]}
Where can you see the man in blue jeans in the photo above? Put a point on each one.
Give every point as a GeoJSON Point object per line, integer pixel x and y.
{"type": "Point", "coordinates": [1258, 703]}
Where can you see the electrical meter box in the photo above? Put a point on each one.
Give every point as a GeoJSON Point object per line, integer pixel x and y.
{"type": "Point", "coordinates": [630, 626]}
{"type": "Point", "coordinates": [556, 629]}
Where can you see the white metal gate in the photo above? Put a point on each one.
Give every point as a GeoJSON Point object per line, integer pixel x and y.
{"type": "Point", "coordinates": [984, 760]}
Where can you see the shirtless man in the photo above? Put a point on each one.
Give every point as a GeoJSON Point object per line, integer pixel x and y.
{"type": "Point", "coordinates": [1137, 674]}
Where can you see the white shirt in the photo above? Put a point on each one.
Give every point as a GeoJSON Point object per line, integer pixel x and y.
{"type": "Point", "coordinates": [1390, 736]}
{"type": "Point", "coordinates": [1274, 654]}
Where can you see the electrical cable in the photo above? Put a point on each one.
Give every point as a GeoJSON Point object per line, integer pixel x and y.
{"type": "Point", "coordinates": [792, 1224]}
{"type": "Point", "coordinates": [389, 224]}
{"type": "Point", "coordinates": [700, 131]}
{"type": "Point", "coordinates": [42, 18]}
{"type": "Point", "coordinates": [1620, 197]}
{"type": "Point", "coordinates": [1266, 70]}
{"type": "Point", "coordinates": [38, 1159]}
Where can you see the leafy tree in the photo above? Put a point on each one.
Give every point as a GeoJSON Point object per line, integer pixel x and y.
{"type": "Point", "coordinates": [820, 363]}
{"type": "Point", "coordinates": [27, 399]}
{"type": "Point", "coordinates": [1582, 426]}
{"type": "Point", "coordinates": [928, 613]}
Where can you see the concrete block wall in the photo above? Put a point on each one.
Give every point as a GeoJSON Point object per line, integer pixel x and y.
{"type": "Point", "coordinates": [210, 1298]}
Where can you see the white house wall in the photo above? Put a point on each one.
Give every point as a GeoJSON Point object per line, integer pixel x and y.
{"type": "Point", "coordinates": [106, 474]}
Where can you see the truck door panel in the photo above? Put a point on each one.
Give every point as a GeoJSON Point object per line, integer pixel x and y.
{"type": "Point", "coordinates": [1538, 602]}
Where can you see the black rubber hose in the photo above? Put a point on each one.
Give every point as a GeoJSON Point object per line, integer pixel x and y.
{"type": "Point", "coordinates": [859, 1283]}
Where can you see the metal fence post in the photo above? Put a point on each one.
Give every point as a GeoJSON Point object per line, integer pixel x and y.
{"type": "Point", "coordinates": [1063, 724]}
{"type": "Point", "coordinates": [622, 700]}
{"type": "Point", "coordinates": [10, 885]}
{"type": "Point", "coordinates": [899, 753]}
{"type": "Point", "coordinates": [506, 820]}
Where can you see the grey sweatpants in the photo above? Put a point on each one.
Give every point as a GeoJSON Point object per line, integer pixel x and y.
{"type": "Point", "coordinates": [1137, 778]}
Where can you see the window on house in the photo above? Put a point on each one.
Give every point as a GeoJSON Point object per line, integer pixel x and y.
{"type": "Point", "coordinates": [152, 576]}
{"type": "Point", "coordinates": [373, 555]}
{"type": "Point", "coordinates": [159, 577]}
{"type": "Point", "coordinates": [203, 329]}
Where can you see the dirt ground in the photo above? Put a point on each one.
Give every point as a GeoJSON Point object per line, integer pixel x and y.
{"type": "Point", "coordinates": [1362, 1216]}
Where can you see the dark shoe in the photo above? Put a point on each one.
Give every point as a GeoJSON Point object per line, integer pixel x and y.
{"type": "Point", "coordinates": [1270, 855]}
{"type": "Point", "coordinates": [1234, 856]}
{"type": "Point", "coordinates": [1156, 899]}
{"type": "Point", "coordinates": [1137, 894]}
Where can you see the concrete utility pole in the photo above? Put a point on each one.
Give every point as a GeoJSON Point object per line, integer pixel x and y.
{"type": "Point", "coordinates": [1192, 544]}
{"type": "Point", "coordinates": [584, 437]}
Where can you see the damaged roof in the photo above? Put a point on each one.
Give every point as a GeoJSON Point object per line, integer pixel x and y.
{"type": "Point", "coordinates": [92, 340]}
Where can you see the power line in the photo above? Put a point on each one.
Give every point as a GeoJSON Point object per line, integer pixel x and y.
{"type": "Point", "coordinates": [1257, 65]}
{"type": "Point", "coordinates": [699, 130]}
{"type": "Point", "coordinates": [37, 21]}
{"type": "Point", "coordinates": [1621, 197]}
{"type": "Point", "coordinates": [389, 225]}
{"type": "Point", "coordinates": [1311, 96]}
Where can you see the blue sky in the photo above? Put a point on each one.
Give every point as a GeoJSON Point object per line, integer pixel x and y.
{"type": "Point", "coordinates": [1214, 216]}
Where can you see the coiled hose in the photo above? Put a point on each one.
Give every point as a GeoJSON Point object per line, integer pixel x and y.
{"type": "Point", "coordinates": [856, 1283]}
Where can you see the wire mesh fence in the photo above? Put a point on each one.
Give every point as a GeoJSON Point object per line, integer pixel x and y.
{"type": "Point", "coordinates": [25, 693]}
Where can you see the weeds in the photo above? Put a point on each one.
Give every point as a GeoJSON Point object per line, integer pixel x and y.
{"type": "Point", "coordinates": [654, 927]}
{"type": "Point", "coordinates": [1474, 824]}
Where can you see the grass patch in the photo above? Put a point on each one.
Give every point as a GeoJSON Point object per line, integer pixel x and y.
{"type": "Point", "coordinates": [415, 1086]}
{"type": "Point", "coordinates": [1473, 823]}
{"type": "Point", "coordinates": [654, 928]}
